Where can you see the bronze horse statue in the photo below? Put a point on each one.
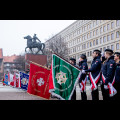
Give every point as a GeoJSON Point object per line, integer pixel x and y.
{"type": "Point", "coordinates": [31, 44]}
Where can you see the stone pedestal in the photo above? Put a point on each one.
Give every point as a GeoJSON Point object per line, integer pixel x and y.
{"type": "Point", "coordinates": [39, 59]}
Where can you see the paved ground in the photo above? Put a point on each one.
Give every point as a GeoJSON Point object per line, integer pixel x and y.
{"type": "Point", "coordinates": [10, 93]}
{"type": "Point", "coordinates": [78, 97]}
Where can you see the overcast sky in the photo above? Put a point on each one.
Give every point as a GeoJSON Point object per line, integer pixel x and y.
{"type": "Point", "coordinates": [13, 31]}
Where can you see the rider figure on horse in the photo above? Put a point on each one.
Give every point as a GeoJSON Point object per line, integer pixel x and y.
{"type": "Point", "coordinates": [35, 38]}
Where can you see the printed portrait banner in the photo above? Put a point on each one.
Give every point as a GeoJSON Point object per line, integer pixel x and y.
{"type": "Point", "coordinates": [39, 81]}
{"type": "Point", "coordinates": [24, 78]}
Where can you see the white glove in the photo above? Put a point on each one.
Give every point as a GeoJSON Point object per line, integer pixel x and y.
{"type": "Point", "coordinates": [83, 71]}
{"type": "Point", "coordinates": [105, 87]}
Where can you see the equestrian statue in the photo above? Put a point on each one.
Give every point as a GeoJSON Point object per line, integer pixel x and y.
{"type": "Point", "coordinates": [32, 43]}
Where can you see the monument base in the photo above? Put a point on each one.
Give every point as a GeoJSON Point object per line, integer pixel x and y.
{"type": "Point", "coordinates": [39, 59]}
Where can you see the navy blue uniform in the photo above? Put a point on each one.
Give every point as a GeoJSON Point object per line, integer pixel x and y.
{"type": "Point", "coordinates": [83, 66]}
{"type": "Point", "coordinates": [95, 67]}
{"type": "Point", "coordinates": [105, 93]}
{"type": "Point", "coordinates": [95, 74]}
{"type": "Point", "coordinates": [108, 71]}
{"type": "Point", "coordinates": [117, 81]}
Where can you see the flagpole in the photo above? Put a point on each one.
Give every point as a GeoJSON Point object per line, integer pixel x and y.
{"type": "Point", "coordinates": [66, 60]}
{"type": "Point", "coordinates": [39, 65]}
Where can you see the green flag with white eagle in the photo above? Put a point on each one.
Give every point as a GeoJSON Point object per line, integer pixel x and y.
{"type": "Point", "coordinates": [63, 78]}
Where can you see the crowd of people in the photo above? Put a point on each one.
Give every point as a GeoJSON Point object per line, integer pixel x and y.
{"type": "Point", "coordinates": [104, 71]}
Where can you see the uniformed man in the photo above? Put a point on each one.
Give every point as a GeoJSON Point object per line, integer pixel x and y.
{"type": "Point", "coordinates": [82, 81]}
{"type": "Point", "coordinates": [117, 75]}
{"type": "Point", "coordinates": [73, 62]}
{"type": "Point", "coordinates": [104, 95]}
{"type": "Point", "coordinates": [108, 72]}
{"type": "Point", "coordinates": [94, 74]}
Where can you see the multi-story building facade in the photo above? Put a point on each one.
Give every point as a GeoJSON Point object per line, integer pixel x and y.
{"type": "Point", "coordinates": [83, 36]}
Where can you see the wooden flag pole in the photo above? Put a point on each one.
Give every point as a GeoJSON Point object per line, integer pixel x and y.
{"type": "Point", "coordinates": [39, 65]}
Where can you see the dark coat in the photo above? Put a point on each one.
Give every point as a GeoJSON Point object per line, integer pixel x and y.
{"type": "Point", "coordinates": [83, 66]}
{"type": "Point", "coordinates": [117, 73]}
{"type": "Point", "coordinates": [95, 67]}
{"type": "Point", "coordinates": [108, 70]}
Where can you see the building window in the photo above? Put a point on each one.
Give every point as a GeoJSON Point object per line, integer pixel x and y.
{"type": "Point", "coordinates": [90, 44]}
{"type": "Point", "coordinates": [104, 28]}
{"type": "Point", "coordinates": [112, 36]}
{"type": "Point", "coordinates": [117, 46]}
{"type": "Point", "coordinates": [112, 25]}
{"type": "Point", "coordinates": [108, 47]}
{"type": "Point", "coordinates": [101, 30]}
{"type": "Point", "coordinates": [90, 53]}
{"type": "Point", "coordinates": [97, 22]}
{"type": "Point", "coordinates": [93, 32]}
{"type": "Point", "coordinates": [82, 37]}
{"type": "Point", "coordinates": [94, 43]}
{"type": "Point", "coordinates": [85, 28]}
{"type": "Point", "coordinates": [77, 32]}
{"type": "Point", "coordinates": [84, 46]}
{"type": "Point", "coordinates": [108, 37]}
{"type": "Point", "coordinates": [112, 47]}
{"type": "Point", "coordinates": [80, 30]}
{"type": "Point", "coordinates": [104, 49]}
{"type": "Point", "coordinates": [93, 23]}
{"type": "Point", "coordinates": [117, 22]}
{"type": "Point", "coordinates": [97, 42]}
{"type": "Point", "coordinates": [78, 40]}
{"type": "Point", "coordinates": [85, 37]}
{"type": "Point", "coordinates": [108, 26]}
{"type": "Point", "coordinates": [101, 50]}
{"type": "Point", "coordinates": [97, 32]}
{"type": "Point", "coordinates": [117, 34]}
{"type": "Point", "coordinates": [104, 39]}
{"type": "Point", "coordinates": [90, 34]}
{"type": "Point", "coordinates": [100, 40]}
{"type": "Point", "coordinates": [90, 25]}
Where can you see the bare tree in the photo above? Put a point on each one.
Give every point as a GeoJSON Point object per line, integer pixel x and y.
{"type": "Point", "coordinates": [20, 63]}
{"type": "Point", "coordinates": [58, 46]}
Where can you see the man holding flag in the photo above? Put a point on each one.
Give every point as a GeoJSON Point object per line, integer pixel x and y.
{"type": "Point", "coordinates": [94, 74]}
{"type": "Point", "coordinates": [108, 75]}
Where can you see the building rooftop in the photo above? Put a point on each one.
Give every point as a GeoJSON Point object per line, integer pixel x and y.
{"type": "Point", "coordinates": [9, 59]}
